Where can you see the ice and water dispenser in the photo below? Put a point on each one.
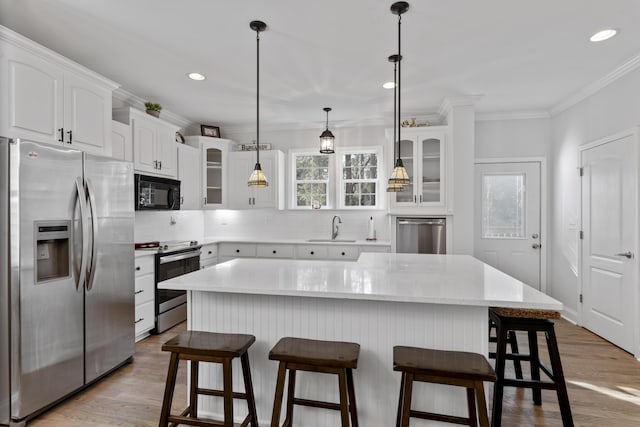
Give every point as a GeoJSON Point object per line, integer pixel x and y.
{"type": "Point", "coordinates": [53, 250]}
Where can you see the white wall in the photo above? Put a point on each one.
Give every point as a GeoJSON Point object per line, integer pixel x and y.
{"type": "Point", "coordinates": [513, 138]}
{"type": "Point", "coordinates": [156, 225]}
{"type": "Point", "coordinates": [613, 109]}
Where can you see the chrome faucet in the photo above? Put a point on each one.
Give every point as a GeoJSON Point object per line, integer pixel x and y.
{"type": "Point", "coordinates": [334, 226]}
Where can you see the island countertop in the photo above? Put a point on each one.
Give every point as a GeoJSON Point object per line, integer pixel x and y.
{"type": "Point", "coordinates": [416, 278]}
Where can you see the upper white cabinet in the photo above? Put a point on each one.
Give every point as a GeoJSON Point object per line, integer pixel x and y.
{"type": "Point", "coordinates": [189, 176]}
{"type": "Point", "coordinates": [213, 169]}
{"type": "Point", "coordinates": [121, 144]}
{"type": "Point", "coordinates": [154, 142]}
{"type": "Point", "coordinates": [243, 197]}
{"type": "Point", "coordinates": [50, 99]}
{"type": "Point", "coordinates": [424, 154]}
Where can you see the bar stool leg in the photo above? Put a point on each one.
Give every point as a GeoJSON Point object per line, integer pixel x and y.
{"type": "Point", "coordinates": [248, 388]}
{"type": "Point", "coordinates": [344, 404]}
{"type": "Point", "coordinates": [558, 377]}
{"type": "Point", "coordinates": [400, 400]}
{"type": "Point", "coordinates": [535, 366]}
{"type": "Point", "coordinates": [501, 349]}
{"type": "Point", "coordinates": [517, 365]}
{"type": "Point", "coordinates": [471, 404]}
{"type": "Point", "coordinates": [482, 404]}
{"type": "Point", "coordinates": [168, 390]}
{"type": "Point", "coordinates": [353, 409]}
{"type": "Point", "coordinates": [406, 400]}
{"type": "Point", "coordinates": [277, 401]}
{"type": "Point", "coordinates": [228, 393]}
{"type": "Point", "coordinates": [193, 395]}
{"type": "Point", "coordinates": [291, 392]}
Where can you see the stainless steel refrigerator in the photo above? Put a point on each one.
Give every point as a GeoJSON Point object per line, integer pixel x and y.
{"type": "Point", "coordinates": [66, 273]}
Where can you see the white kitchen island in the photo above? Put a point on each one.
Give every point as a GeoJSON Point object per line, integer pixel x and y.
{"type": "Point", "coordinates": [382, 300]}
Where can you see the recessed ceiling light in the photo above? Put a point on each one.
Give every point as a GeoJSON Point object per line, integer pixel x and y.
{"type": "Point", "coordinates": [603, 35]}
{"type": "Point", "coordinates": [196, 76]}
{"type": "Point", "coordinates": [389, 85]}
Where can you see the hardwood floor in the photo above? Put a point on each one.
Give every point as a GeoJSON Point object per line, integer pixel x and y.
{"type": "Point", "coordinates": [603, 383]}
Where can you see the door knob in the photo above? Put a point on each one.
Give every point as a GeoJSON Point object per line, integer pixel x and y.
{"type": "Point", "coordinates": [535, 236]}
{"type": "Point", "coordinates": [627, 254]}
{"type": "Point", "coordinates": [536, 246]}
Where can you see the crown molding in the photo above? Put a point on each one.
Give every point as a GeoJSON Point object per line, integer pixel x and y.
{"type": "Point", "coordinates": [135, 101]}
{"type": "Point", "coordinates": [457, 101]}
{"type": "Point", "coordinates": [630, 65]}
{"type": "Point", "coordinates": [513, 115]}
{"type": "Point", "coordinates": [24, 43]}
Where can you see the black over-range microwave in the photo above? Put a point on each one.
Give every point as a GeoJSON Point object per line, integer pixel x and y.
{"type": "Point", "coordinates": [155, 193]}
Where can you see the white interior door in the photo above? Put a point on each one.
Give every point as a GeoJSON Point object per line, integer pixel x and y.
{"type": "Point", "coordinates": [507, 218]}
{"type": "Point", "coordinates": [609, 198]}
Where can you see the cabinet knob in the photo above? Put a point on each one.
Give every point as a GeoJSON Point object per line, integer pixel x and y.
{"type": "Point", "coordinates": [311, 252]}
{"type": "Point", "coordinates": [139, 320]}
{"type": "Point", "coordinates": [61, 139]}
{"type": "Point", "coordinates": [138, 268]}
{"type": "Point", "coordinates": [274, 251]}
{"type": "Point", "coordinates": [70, 136]}
{"type": "Point", "coordinates": [342, 253]}
{"type": "Point", "coordinates": [237, 251]}
{"type": "Point", "coordinates": [209, 252]}
{"type": "Point", "coordinates": [140, 291]}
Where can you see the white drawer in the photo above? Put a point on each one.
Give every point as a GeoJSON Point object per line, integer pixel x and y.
{"type": "Point", "coordinates": [237, 250]}
{"type": "Point", "coordinates": [144, 265]}
{"type": "Point", "coordinates": [144, 320]}
{"type": "Point", "coordinates": [275, 251]}
{"type": "Point", "coordinates": [209, 252]}
{"type": "Point", "coordinates": [144, 288]}
{"type": "Point", "coordinates": [208, 263]}
{"type": "Point", "coordinates": [368, 248]}
{"type": "Point", "coordinates": [311, 252]}
{"type": "Point", "coordinates": [343, 252]}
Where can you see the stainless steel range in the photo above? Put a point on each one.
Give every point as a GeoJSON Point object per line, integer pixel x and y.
{"type": "Point", "coordinates": [173, 259]}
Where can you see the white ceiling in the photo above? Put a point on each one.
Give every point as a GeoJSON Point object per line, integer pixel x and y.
{"type": "Point", "coordinates": [519, 55]}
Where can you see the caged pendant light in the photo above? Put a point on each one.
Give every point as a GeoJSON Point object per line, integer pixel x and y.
{"type": "Point", "coordinates": [399, 176]}
{"type": "Point", "coordinates": [257, 178]}
{"type": "Point", "coordinates": [327, 138]}
{"type": "Point", "coordinates": [393, 186]}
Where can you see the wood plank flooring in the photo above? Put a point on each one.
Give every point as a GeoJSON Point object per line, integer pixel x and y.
{"type": "Point", "coordinates": [603, 383]}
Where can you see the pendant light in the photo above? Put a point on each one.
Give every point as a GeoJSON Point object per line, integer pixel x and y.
{"type": "Point", "coordinates": [257, 178]}
{"type": "Point", "coordinates": [399, 176]}
{"type": "Point", "coordinates": [393, 186]}
{"type": "Point", "coordinates": [327, 138]}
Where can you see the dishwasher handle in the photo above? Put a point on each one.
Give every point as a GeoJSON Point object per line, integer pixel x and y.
{"type": "Point", "coordinates": [421, 222]}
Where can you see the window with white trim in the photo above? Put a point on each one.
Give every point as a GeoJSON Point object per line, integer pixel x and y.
{"type": "Point", "coordinates": [311, 178]}
{"type": "Point", "coordinates": [358, 178]}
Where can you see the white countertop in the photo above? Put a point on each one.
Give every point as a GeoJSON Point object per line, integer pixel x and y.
{"type": "Point", "coordinates": [275, 241]}
{"type": "Point", "coordinates": [431, 279]}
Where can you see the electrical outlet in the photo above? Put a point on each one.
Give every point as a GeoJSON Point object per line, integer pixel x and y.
{"type": "Point", "coordinates": [173, 220]}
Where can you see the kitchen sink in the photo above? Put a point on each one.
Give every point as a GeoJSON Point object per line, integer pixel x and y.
{"type": "Point", "coordinates": [330, 241]}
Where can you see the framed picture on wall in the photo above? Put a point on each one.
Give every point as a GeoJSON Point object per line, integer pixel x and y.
{"type": "Point", "coordinates": [212, 131]}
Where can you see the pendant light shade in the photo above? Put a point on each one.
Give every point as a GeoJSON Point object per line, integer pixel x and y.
{"type": "Point", "coordinates": [257, 178]}
{"type": "Point", "coordinates": [327, 138]}
{"type": "Point", "coordinates": [399, 177]}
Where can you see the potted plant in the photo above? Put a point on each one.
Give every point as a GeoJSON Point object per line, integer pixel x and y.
{"type": "Point", "coordinates": [153, 109]}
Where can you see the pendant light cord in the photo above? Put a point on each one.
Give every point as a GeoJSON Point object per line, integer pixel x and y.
{"type": "Point", "coordinates": [327, 119]}
{"type": "Point", "coordinates": [399, 83]}
{"type": "Point", "coordinates": [258, 97]}
{"type": "Point", "coordinates": [395, 89]}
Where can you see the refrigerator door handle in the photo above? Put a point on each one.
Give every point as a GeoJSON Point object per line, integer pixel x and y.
{"type": "Point", "coordinates": [85, 231]}
{"type": "Point", "coordinates": [94, 236]}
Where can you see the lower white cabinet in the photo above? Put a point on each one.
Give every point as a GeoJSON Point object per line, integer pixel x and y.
{"type": "Point", "coordinates": [144, 295]}
{"type": "Point", "coordinates": [311, 252]}
{"type": "Point", "coordinates": [266, 250]}
{"type": "Point", "coordinates": [350, 253]}
{"type": "Point", "coordinates": [208, 255]}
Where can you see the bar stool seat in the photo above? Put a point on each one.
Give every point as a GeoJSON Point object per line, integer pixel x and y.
{"type": "Point", "coordinates": [455, 368]}
{"type": "Point", "coordinates": [330, 357]}
{"type": "Point", "coordinates": [509, 320]}
{"type": "Point", "coordinates": [197, 346]}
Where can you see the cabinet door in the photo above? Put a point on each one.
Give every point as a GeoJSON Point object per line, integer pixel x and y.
{"type": "Point", "coordinates": [189, 176]}
{"type": "Point", "coordinates": [239, 193]}
{"type": "Point", "coordinates": [144, 142]}
{"type": "Point", "coordinates": [166, 150]}
{"type": "Point", "coordinates": [121, 145]}
{"type": "Point", "coordinates": [87, 114]}
{"type": "Point", "coordinates": [431, 177]}
{"type": "Point", "coordinates": [32, 97]}
{"type": "Point", "coordinates": [214, 188]}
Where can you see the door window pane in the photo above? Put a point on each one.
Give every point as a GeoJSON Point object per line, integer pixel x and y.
{"type": "Point", "coordinates": [503, 215]}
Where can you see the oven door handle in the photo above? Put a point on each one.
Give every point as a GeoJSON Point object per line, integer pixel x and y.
{"type": "Point", "coordinates": [172, 258]}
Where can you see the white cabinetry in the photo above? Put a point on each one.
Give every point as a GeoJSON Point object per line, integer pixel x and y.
{"type": "Point", "coordinates": [213, 170]}
{"type": "Point", "coordinates": [121, 144]}
{"type": "Point", "coordinates": [229, 251]}
{"type": "Point", "coordinates": [296, 251]}
{"type": "Point", "coordinates": [144, 295]}
{"type": "Point", "coordinates": [50, 99]}
{"type": "Point", "coordinates": [189, 176]}
{"type": "Point", "coordinates": [209, 255]}
{"type": "Point", "coordinates": [424, 154]}
{"type": "Point", "coordinates": [275, 250]}
{"type": "Point", "coordinates": [154, 142]}
{"type": "Point", "coordinates": [243, 197]}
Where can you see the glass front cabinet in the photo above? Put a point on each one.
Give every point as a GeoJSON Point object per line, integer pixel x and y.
{"type": "Point", "coordinates": [214, 153]}
{"type": "Point", "coordinates": [423, 152]}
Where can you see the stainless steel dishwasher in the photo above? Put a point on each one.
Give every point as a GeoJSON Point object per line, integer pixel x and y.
{"type": "Point", "coordinates": [421, 235]}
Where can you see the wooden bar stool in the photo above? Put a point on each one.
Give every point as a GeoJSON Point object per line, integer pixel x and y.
{"type": "Point", "coordinates": [208, 347]}
{"type": "Point", "coordinates": [329, 357]}
{"type": "Point", "coordinates": [455, 368]}
{"type": "Point", "coordinates": [510, 320]}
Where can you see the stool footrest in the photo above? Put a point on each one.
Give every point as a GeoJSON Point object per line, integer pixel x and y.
{"type": "Point", "coordinates": [180, 419]}
{"type": "Point", "coordinates": [439, 417]}
{"type": "Point", "coordinates": [530, 384]}
{"type": "Point", "coordinates": [316, 404]}
{"type": "Point", "coordinates": [220, 393]}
